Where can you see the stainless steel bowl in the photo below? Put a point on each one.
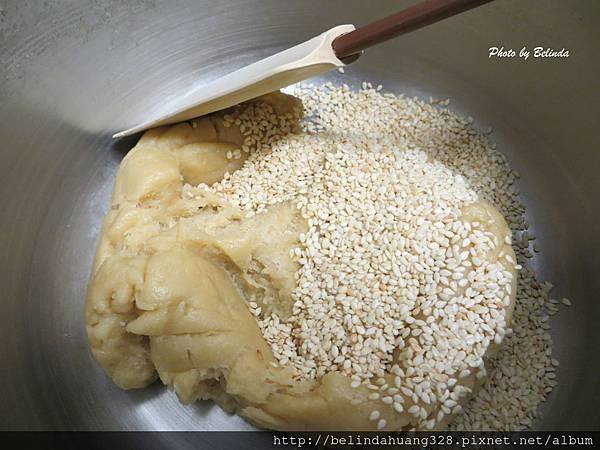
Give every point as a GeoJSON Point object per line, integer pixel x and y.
{"type": "Point", "coordinates": [72, 73]}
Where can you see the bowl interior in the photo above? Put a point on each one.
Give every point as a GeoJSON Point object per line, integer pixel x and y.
{"type": "Point", "coordinates": [72, 74]}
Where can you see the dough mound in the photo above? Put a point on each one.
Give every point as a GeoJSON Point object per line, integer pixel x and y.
{"type": "Point", "coordinates": [176, 267]}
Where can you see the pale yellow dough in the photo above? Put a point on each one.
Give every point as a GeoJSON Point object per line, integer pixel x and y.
{"type": "Point", "coordinates": [173, 272]}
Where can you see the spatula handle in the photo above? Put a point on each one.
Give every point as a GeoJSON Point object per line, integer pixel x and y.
{"type": "Point", "coordinates": [409, 19]}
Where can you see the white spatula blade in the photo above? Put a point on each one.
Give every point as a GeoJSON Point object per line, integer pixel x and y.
{"type": "Point", "coordinates": [290, 66]}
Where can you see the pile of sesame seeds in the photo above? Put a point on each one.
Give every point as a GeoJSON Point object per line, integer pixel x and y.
{"type": "Point", "coordinates": [381, 181]}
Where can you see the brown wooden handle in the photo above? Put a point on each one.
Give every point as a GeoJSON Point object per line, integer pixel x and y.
{"type": "Point", "coordinates": [409, 19]}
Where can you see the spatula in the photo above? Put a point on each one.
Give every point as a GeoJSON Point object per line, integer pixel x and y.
{"type": "Point", "coordinates": [332, 49]}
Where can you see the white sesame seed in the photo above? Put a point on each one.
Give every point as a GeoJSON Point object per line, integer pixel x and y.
{"type": "Point", "coordinates": [415, 410]}
{"type": "Point", "coordinates": [372, 260]}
